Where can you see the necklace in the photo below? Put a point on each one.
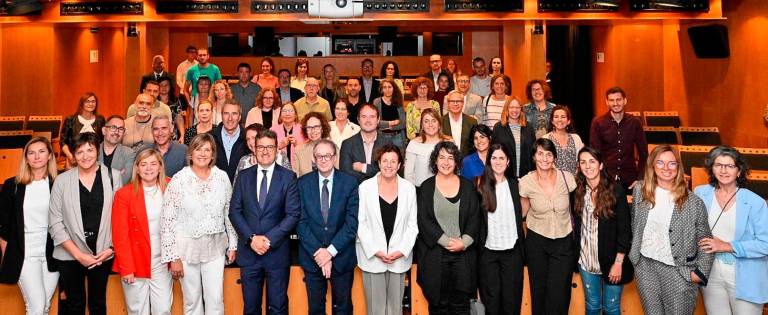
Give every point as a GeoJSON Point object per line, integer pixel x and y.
{"type": "Point", "coordinates": [725, 206]}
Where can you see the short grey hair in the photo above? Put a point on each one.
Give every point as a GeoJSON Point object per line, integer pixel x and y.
{"type": "Point", "coordinates": [328, 142]}
{"type": "Point", "coordinates": [738, 159]}
{"type": "Point", "coordinates": [162, 117]}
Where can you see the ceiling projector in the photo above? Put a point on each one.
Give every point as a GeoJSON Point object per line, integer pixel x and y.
{"type": "Point", "coordinates": [335, 8]}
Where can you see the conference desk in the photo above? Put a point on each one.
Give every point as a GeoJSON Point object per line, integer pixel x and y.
{"type": "Point", "coordinates": [12, 304]}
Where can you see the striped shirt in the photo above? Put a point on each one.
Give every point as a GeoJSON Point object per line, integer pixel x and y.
{"type": "Point", "coordinates": [493, 109]}
{"type": "Point", "coordinates": [588, 256]}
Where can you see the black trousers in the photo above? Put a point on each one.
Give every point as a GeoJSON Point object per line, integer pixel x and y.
{"type": "Point", "coordinates": [550, 273]}
{"type": "Point", "coordinates": [501, 280]}
{"type": "Point", "coordinates": [453, 301]}
{"type": "Point", "coordinates": [72, 297]}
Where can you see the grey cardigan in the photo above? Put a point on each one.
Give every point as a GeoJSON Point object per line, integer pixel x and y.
{"type": "Point", "coordinates": [688, 226]}
{"type": "Point", "coordinates": [66, 220]}
{"type": "Point", "coordinates": [122, 161]}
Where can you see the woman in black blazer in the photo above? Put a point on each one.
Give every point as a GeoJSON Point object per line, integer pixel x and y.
{"type": "Point", "coordinates": [501, 249]}
{"type": "Point", "coordinates": [26, 246]}
{"type": "Point", "coordinates": [513, 120]}
{"type": "Point", "coordinates": [449, 225]}
{"type": "Point", "coordinates": [603, 234]}
{"type": "Point", "coordinates": [85, 119]}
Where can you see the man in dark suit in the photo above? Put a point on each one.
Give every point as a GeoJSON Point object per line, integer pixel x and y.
{"type": "Point", "coordinates": [436, 69]}
{"type": "Point", "coordinates": [287, 93]}
{"type": "Point", "coordinates": [369, 86]}
{"type": "Point", "coordinates": [264, 210]}
{"type": "Point", "coordinates": [327, 230]}
{"type": "Point", "coordinates": [230, 139]}
{"type": "Point", "coordinates": [357, 152]}
{"type": "Point", "coordinates": [158, 71]}
{"type": "Point", "coordinates": [457, 124]}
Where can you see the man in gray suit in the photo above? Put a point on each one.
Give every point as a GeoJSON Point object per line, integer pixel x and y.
{"type": "Point", "coordinates": [112, 153]}
{"type": "Point", "coordinates": [358, 152]}
{"type": "Point", "coordinates": [473, 103]}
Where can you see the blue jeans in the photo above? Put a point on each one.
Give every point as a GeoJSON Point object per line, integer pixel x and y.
{"type": "Point", "coordinates": [600, 295]}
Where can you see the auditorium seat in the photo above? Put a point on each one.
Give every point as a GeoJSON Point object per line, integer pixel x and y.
{"type": "Point", "coordinates": [12, 123]}
{"type": "Point", "coordinates": [758, 183]}
{"type": "Point", "coordinates": [43, 124]}
{"type": "Point", "coordinates": [14, 139]}
{"type": "Point", "coordinates": [661, 135]}
{"type": "Point", "coordinates": [662, 119]}
{"type": "Point", "coordinates": [693, 156]}
{"type": "Point", "coordinates": [9, 162]}
{"type": "Point", "coordinates": [700, 136]}
{"type": "Point", "coordinates": [757, 158]}
{"type": "Point", "coordinates": [638, 115]}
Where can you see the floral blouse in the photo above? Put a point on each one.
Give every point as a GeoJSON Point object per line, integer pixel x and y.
{"type": "Point", "coordinates": [413, 118]}
{"type": "Point", "coordinates": [567, 159]}
{"type": "Point", "coordinates": [195, 224]}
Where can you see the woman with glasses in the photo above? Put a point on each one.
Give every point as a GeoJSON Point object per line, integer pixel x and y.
{"type": "Point", "coordinates": [314, 127]}
{"type": "Point", "coordinates": [668, 224]}
{"type": "Point", "coordinates": [288, 132]}
{"type": "Point", "coordinates": [513, 132]}
{"type": "Point", "coordinates": [86, 119]}
{"type": "Point", "coordinates": [266, 111]}
{"type": "Point", "coordinates": [422, 101]}
{"type": "Point", "coordinates": [739, 221]}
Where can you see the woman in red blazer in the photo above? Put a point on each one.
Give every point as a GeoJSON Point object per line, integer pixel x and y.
{"type": "Point", "coordinates": [147, 283]}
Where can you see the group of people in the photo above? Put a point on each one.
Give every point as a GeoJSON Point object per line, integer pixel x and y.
{"type": "Point", "coordinates": [449, 185]}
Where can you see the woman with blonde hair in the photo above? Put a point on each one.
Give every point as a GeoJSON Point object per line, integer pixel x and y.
{"type": "Point", "coordinates": [136, 212]}
{"type": "Point", "coordinates": [513, 132]}
{"type": "Point", "coordinates": [668, 222]}
{"type": "Point", "coordinates": [204, 113]}
{"type": "Point", "coordinates": [221, 93]}
{"type": "Point", "coordinates": [196, 236]}
{"type": "Point", "coordinates": [266, 111]}
{"type": "Point", "coordinates": [330, 88]}
{"type": "Point", "coordinates": [301, 69]}
{"type": "Point", "coordinates": [26, 246]}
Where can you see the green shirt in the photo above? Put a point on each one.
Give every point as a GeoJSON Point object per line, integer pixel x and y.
{"type": "Point", "coordinates": [196, 71]}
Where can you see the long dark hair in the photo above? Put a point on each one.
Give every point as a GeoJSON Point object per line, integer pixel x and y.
{"type": "Point", "coordinates": [486, 183]}
{"type": "Point", "coordinates": [604, 198]}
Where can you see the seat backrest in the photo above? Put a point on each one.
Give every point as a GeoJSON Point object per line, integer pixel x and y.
{"type": "Point", "coordinates": [14, 139]}
{"type": "Point", "coordinates": [661, 135]}
{"type": "Point", "coordinates": [693, 156]}
{"type": "Point", "coordinates": [664, 119]}
{"type": "Point", "coordinates": [700, 136]}
{"type": "Point", "coordinates": [12, 123]}
{"type": "Point", "coordinates": [757, 158]}
{"type": "Point", "coordinates": [9, 162]}
{"type": "Point", "coordinates": [758, 183]}
{"type": "Point", "coordinates": [50, 124]}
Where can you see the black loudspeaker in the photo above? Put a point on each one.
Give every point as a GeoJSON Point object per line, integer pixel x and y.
{"type": "Point", "coordinates": [264, 43]}
{"type": "Point", "coordinates": [387, 34]}
{"type": "Point", "coordinates": [710, 41]}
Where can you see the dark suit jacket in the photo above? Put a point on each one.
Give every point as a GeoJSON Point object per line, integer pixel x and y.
{"type": "Point", "coordinates": [12, 231]}
{"type": "Point", "coordinates": [276, 220]}
{"type": "Point", "coordinates": [367, 99]}
{"type": "Point", "coordinates": [341, 229]}
{"type": "Point", "coordinates": [614, 235]}
{"type": "Point", "coordinates": [520, 244]}
{"type": "Point", "coordinates": [467, 122]}
{"type": "Point", "coordinates": [429, 253]}
{"type": "Point", "coordinates": [502, 134]}
{"type": "Point", "coordinates": [429, 75]}
{"type": "Point", "coordinates": [352, 151]}
{"type": "Point", "coordinates": [151, 77]}
{"type": "Point", "coordinates": [238, 150]}
{"type": "Point", "coordinates": [296, 94]}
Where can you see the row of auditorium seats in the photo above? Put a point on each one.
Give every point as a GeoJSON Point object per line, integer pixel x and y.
{"type": "Point", "coordinates": [658, 118]}
{"type": "Point", "coordinates": [15, 131]}
{"type": "Point", "coordinates": [683, 135]}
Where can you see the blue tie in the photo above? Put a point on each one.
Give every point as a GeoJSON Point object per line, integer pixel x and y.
{"type": "Point", "coordinates": [263, 190]}
{"type": "Point", "coordinates": [325, 201]}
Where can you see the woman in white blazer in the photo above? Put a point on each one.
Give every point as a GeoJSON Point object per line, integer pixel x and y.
{"type": "Point", "coordinates": [386, 233]}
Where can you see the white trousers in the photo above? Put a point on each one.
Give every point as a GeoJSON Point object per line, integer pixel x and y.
{"type": "Point", "coordinates": [150, 296]}
{"type": "Point", "coordinates": [37, 285]}
{"type": "Point", "coordinates": [720, 294]}
{"type": "Point", "coordinates": [203, 281]}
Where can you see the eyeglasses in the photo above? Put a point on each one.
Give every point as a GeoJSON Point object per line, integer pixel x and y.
{"type": "Point", "coordinates": [324, 157]}
{"type": "Point", "coordinates": [310, 128]}
{"type": "Point", "coordinates": [288, 111]}
{"type": "Point", "coordinates": [435, 61]}
{"type": "Point", "coordinates": [462, 81]}
{"type": "Point", "coordinates": [112, 128]}
{"type": "Point", "coordinates": [268, 98]}
{"type": "Point", "coordinates": [265, 147]}
{"type": "Point", "coordinates": [729, 167]}
{"type": "Point", "coordinates": [670, 165]}
{"type": "Point", "coordinates": [455, 101]}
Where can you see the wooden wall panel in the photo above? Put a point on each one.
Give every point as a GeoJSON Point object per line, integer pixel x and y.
{"type": "Point", "coordinates": [485, 45]}
{"type": "Point", "coordinates": [27, 73]}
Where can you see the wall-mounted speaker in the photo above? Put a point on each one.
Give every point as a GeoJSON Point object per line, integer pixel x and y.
{"type": "Point", "coordinates": [578, 5]}
{"type": "Point", "coordinates": [101, 8]}
{"type": "Point", "coordinates": [283, 6]}
{"type": "Point", "coordinates": [669, 5]}
{"type": "Point", "coordinates": [400, 6]}
{"type": "Point", "coordinates": [710, 41]}
{"type": "Point", "coordinates": [483, 6]}
{"type": "Point", "coordinates": [173, 6]}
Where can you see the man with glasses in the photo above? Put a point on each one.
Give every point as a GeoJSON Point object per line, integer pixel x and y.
{"type": "Point", "coordinates": [264, 211]}
{"type": "Point", "coordinates": [230, 140]}
{"type": "Point", "coordinates": [288, 94]}
{"type": "Point", "coordinates": [617, 135]}
{"type": "Point", "coordinates": [369, 89]}
{"type": "Point", "coordinates": [111, 151]}
{"type": "Point", "coordinates": [457, 124]}
{"type": "Point", "coordinates": [312, 102]}
{"type": "Point", "coordinates": [436, 69]}
{"type": "Point", "coordinates": [473, 103]}
{"type": "Point", "coordinates": [327, 231]}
